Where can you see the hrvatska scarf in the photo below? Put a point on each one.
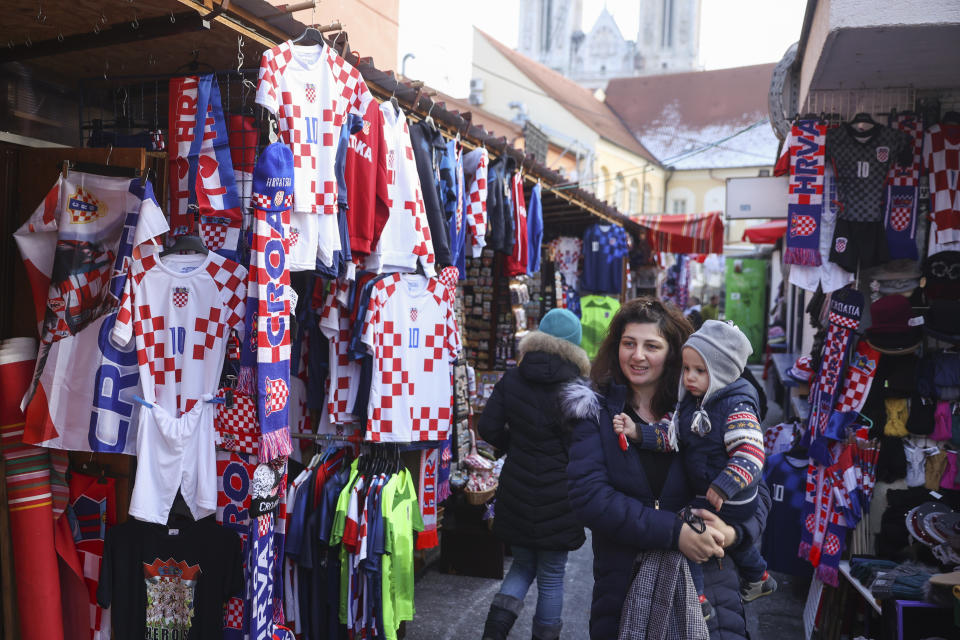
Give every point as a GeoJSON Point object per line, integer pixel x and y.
{"type": "Point", "coordinates": [805, 194]}
{"type": "Point", "coordinates": [900, 221]}
{"type": "Point", "coordinates": [268, 301]}
{"type": "Point", "coordinates": [201, 170]}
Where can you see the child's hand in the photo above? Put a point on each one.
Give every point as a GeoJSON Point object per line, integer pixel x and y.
{"type": "Point", "coordinates": [623, 424]}
{"type": "Point", "coordinates": [713, 498]}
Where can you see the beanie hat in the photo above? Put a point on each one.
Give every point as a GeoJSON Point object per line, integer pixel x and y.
{"type": "Point", "coordinates": [724, 349]}
{"type": "Point", "coordinates": [562, 324]}
{"type": "Point", "coordinates": [273, 179]}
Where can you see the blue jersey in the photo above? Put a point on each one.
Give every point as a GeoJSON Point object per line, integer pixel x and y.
{"type": "Point", "coordinates": [786, 478]}
{"type": "Point", "coordinates": [604, 246]}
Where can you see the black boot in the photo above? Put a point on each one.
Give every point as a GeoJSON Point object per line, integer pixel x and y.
{"type": "Point", "coordinates": [503, 613]}
{"type": "Point", "coordinates": [546, 632]}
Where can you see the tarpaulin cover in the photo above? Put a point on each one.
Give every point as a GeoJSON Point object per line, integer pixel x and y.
{"type": "Point", "coordinates": [685, 232]}
{"type": "Point", "coordinates": [766, 233]}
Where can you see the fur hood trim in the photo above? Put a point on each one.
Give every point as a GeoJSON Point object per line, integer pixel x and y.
{"type": "Point", "coordinates": [579, 400]}
{"type": "Point", "coordinates": [540, 341]}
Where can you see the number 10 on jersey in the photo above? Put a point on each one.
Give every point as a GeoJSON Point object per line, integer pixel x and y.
{"type": "Point", "coordinates": [313, 127]}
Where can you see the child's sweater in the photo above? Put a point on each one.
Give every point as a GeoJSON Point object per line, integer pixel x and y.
{"type": "Point", "coordinates": [729, 457]}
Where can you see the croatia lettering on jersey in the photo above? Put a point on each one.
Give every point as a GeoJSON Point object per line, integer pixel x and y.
{"type": "Point", "coordinates": [311, 90]}
{"type": "Point", "coordinates": [411, 330]}
{"type": "Point", "coordinates": [82, 374]}
{"type": "Point", "coordinates": [180, 350]}
{"type": "Point", "coordinates": [201, 169]}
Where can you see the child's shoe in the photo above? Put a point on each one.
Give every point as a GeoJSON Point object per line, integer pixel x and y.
{"type": "Point", "coordinates": [750, 591]}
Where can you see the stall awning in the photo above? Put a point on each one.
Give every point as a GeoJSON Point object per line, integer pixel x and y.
{"type": "Point", "coordinates": [685, 232]}
{"type": "Point", "coordinates": [766, 233]}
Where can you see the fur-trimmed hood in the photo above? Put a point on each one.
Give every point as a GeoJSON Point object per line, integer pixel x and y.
{"type": "Point", "coordinates": [540, 341]}
{"type": "Point", "coordinates": [579, 401]}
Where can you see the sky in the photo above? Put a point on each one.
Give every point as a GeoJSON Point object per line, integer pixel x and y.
{"type": "Point", "coordinates": [733, 33]}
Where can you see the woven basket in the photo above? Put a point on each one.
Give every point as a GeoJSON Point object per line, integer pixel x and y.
{"type": "Point", "coordinates": [478, 498]}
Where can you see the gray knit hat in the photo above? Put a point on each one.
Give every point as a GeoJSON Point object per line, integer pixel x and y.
{"type": "Point", "coordinates": [724, 349]}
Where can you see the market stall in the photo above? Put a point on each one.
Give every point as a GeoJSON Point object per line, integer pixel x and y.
{"type": "Point", "coordinates": [239, 318]}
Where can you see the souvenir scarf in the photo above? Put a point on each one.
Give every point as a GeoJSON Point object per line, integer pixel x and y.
{"type": "Point", "coordinates": [200, 167]}
{"type": "Point", "coordinates": [805, 194]}
{"type": "Point", "coordinates": [429, 465]}
{"type": "Point", "coordinates": [900, 221]}
{"type": "Point", "coordinates": [268, 331]}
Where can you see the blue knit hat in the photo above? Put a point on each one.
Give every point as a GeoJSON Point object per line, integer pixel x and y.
{"type": "Point", "coordinates": [562, 324]}
{"type": "Point", "coordinates": [273, 179]}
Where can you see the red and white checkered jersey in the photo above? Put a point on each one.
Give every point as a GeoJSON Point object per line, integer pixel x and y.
{"type": "Point", "coordinates": [405, 239]}
{"type": "Point", "coordinates": [411, 330]}
{"type": "Point", "coordinates": [475, 172]}
{"type": "Point", "coordinates": [180, 310]}
{"type": "Point", "coordinates": [311, 90]}
{"type": "Point", "coordinates": [343, 379]}
{"type": "Point", "coordinates": [941, 156]}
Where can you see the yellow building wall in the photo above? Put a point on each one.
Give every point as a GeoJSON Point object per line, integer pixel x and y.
{"type": "Point", "coordinates": [614, 161]}
{"type": "Point", "coordinates": [705, 190]}
{"type": "Point", "coordinates": [374, 27]}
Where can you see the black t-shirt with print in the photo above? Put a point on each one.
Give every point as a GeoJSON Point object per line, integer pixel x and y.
{"type": "Point", "coordinates": [169, 583]}
{"type": "Point", "coordinates": [861, 162]}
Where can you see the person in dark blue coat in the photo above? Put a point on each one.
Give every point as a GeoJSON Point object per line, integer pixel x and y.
{"type": "Point", "coordinates": [629, 497]}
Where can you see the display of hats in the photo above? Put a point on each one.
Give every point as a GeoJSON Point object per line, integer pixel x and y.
{"type": "Point", "coordinates": [942, 320]}
{"type": "Point", "coordinates": [894, 328]}
{"type": "Point", "coordinates": [802, 369]}
{"type": "Point", "coordinates": [941, 272]}
{"type": "Point", "coordinates": [916, 521]}
{"type": "Point", "coordinates": [897, 276]}
{"type": "Point", "coordinates": [944, 527]}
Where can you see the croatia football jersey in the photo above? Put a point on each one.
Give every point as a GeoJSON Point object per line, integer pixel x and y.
{"type": "Point", "coordinates": [411, 330]}
{"type": "Point", "coordinates": [604, 246]}
{"type": "Point", "coordinates": [311, 90]}
{"type": "Point", "coordinates": [862, 162]}
{"type": "Point", "coordinates": [180, 310]}
{"type": "Point", "coordinates": [941, 155]}
{"type": "Point", "coordinates": [405, 240]}
{"type": "Point", "coordinates": [344, 375]}
{"type": "Point", "coordinates": [786, 479]}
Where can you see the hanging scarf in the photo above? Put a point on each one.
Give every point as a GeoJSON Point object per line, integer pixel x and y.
{"type": "Point", "coordinates": [805, 195]}
{"type": "Point", "coordinates": [860, 374]}
{"type": "Point", "coordinates": [846, 305]}
{"type": "Point", "coordinates": [429, 464]}
{"type": "Point", "coordinates": [900, 221]}
{"type": "Point", "coordinates": [268, 316]}
{"type": "Point", "coordinates": [201, 170]}
{"type": "Point", "coordinates": [260, 585]}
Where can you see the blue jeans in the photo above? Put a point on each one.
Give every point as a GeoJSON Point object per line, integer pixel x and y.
{"type": "Point", "coordinates": [548, 568]}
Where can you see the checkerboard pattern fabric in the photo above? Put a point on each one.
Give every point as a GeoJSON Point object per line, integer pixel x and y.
{"type": "Point", "coordinates": [941, 157]}
{"type": "Point", "coordinates": [311, 90]}
{"type": "Point", "coordinates": [237, 427]}
{"type": "Point", "coordinates": [862, 168]}
{"type": "Point", "coordinates": [84, 207]}
{"type": "Point", "coordinates": [908, 175]}
{"type": "Point", "coordinates": [859, 379]}
{"type": "Point", "coordinates": [180, 349]}
{"type": "Point", "coordinates": [344, 375]}
{"type": "Point", "coordinates": [411, 395]}
{"type": "Point", "coordinates": [234, 616]}
{"type": "Point", "coordinates": [475, 172]}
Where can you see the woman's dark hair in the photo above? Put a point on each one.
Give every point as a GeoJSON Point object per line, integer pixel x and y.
{"type": "Point", "coordinates": [673, 327]}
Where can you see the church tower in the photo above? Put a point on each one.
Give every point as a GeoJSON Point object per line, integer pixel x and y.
{"type": "Point", "coordinates": [548, 29]}
{"type": "Point", "coordinates": [669, 36]}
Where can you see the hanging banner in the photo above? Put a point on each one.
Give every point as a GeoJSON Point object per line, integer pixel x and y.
{"type": "Point", "coordinates": [201, 170]}
{"type": "Point", "coordinates": [81, 396]}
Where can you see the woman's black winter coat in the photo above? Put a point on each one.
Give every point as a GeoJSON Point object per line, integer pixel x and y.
{"type": "Point", "coordinates": [523, 418]}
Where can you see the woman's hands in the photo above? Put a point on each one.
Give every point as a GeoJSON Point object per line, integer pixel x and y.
{"type": "Point", "coordinates": [622, 424]}
{"type": "Point", "coordinates": [717, 523]}
{"type": "Point", "coordinates": [700, 547]}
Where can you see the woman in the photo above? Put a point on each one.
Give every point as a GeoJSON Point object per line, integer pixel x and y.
{"type": "Point", "coordinates": [533, 515]}
{"type": "Point", "coordinates": [630, 498]}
